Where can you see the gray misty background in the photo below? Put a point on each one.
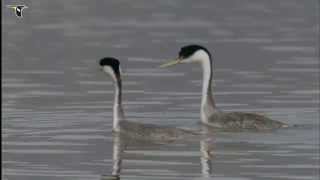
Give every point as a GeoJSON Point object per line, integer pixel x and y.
{"type": "Point", "coordinates": [57, 105]}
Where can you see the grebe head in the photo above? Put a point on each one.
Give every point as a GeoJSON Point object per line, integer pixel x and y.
{"type": "Point", "coordinates": [190, 54]}
{"type": "Point", "coordinates": [111, 66]}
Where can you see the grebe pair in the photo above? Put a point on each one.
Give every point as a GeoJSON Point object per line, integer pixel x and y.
{"type": "Point", "coordinates": [210, 115]}
{"type": "Point", "coordinates": [134, 129]}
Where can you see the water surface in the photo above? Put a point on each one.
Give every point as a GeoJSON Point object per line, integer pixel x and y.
{"type": "Point", "coordinates": [57, 106]}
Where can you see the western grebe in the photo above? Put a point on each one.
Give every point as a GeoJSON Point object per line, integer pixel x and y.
{"type": "Point", "coordinates": [210, 115]}
{"type": "Point", "coordinates": [111, 66]}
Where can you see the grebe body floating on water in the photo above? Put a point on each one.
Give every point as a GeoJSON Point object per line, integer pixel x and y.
{"type": "Point", "coordinates": [210, 115]}
{"type": "Point", "coordinates": [131, 129]}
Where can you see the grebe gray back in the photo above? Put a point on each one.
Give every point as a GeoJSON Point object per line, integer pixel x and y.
{"type": "Point", "coordinates": [111, 66]}
{"type": "Point", "coordinates": [210, 114]}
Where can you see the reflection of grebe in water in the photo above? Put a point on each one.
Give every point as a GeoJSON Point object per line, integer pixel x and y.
{"type": "Point", "coordinates": [134, 129]}
{"type": "Point", "coordinates": [206, 156]}
{"type": "Point", "coordinates": [210, 115]}
{"type": "Point", "coordinates": [206, 150]}
{"type": "Point", "coordinates": [118, 149]}
{"type": "Point", "coordinates": [121, 142]}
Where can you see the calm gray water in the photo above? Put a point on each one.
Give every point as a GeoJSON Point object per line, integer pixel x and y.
{"type": "Point", "coordinates": [57, 106]}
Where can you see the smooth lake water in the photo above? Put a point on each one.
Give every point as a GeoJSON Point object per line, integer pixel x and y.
{"type": "Point", "coordinates": [57, 105]}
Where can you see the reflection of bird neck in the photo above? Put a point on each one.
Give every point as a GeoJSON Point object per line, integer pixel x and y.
{"type": "Point", "coordinates": [118, 113]}
{"type": "Point", "coordinates": [206, 167]}
{"type": "Point", "coordinates": [207, 102]}
{"type": "Point", "coordinates": [117, 155]}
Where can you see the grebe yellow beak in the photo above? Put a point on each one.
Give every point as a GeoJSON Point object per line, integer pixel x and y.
{"type": "Point", "coordinates": [171, 63]}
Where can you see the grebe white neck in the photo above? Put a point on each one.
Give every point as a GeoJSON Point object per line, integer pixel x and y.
{"type": "Point", "coordinates": [118, 113]}
{"type": "Point", "coordinates": [207, 100]}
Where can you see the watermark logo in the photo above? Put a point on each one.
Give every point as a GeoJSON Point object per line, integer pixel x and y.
{"type": "Point", "coordinates": [17, 9]}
